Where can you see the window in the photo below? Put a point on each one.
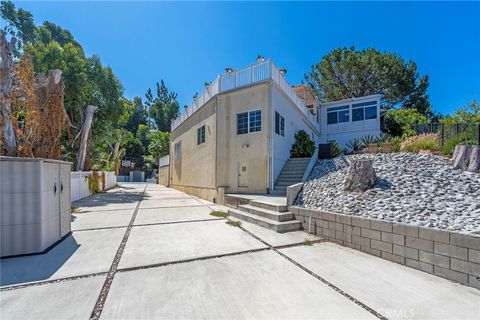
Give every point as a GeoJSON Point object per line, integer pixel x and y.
{"type": "Point", "coordinates": [178, 151]}
{"type": "Point", "coordinates": [249, 122]}
{"type": "Point", "coordinates": [279, 124]}
{"type": "Point", "coordinates": [338, 115]}
{"type": "Point", "coordinates": [255, 120]}
{"type": "Point", "coordinates": [201, 135]}
{"type": "Point", "coordinates": [364, 111]}
{"type": "Point", "coordinates": [242, 123]}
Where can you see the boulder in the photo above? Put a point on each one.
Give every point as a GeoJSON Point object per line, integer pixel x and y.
{"type": "Point", "coordinates": [361, 176]}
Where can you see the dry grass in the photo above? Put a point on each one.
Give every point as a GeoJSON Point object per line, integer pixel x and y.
{"type": "Point", "coordinates": [421, 142]}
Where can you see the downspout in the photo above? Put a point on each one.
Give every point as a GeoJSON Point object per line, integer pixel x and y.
{"type": "Point", "coordinates": [270, 138]}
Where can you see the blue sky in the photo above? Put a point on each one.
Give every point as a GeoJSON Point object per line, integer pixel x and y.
{"type": "Point", "coordinates": [190, 43]}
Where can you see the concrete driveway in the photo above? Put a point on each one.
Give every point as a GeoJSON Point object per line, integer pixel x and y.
{"type": "Point", "coordinates": [150, 252]}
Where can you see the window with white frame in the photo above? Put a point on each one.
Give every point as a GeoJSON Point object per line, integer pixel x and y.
{"type": "Point", "coordinates": [364, 111]}
{"type": "Point", "coordinates": [201, 135]}
{"type": "Point", "coordinates": [338, 114]}
{"type": "Point", "coordinates": [178, 151]}
{"type": "Point", "coordinates": [250, 121]}
{"type": "Point", "coordinates": [279, 124]}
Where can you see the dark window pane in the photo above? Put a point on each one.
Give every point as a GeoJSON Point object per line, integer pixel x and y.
{"type": "Point", "coordinates": [242, 123]}
{"type": "Point", "coordinates": [357, 114]}
{"type": "Point", "coordinates": [277, 123]}
{"type": "Point", "coordinates": [332, 118]}
{"type": "Point", "coordinates": [337, 108]}
{"type": "Point", "coordinates": [343, 116]}
{"type": "Point", "coordinates": [255, 121]}
{"type": "Point", "coordinates": [371, 113]}
{"type": "Point", "coordinates": [282, 126]}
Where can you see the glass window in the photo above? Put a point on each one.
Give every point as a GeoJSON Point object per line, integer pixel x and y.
{"type": "Point", "coordinates": [178, 151]}
{"type": "Point", "coordinates": [357, 114]}
{"type": "Point", "coordinates": [332, 118]}
{"type": "Point", "coordinates": [282, 126]}
{"type": "Point", "coordinates": [338, 114]}
{"type": "Point", "coordinates": [201, 135]}
{"type": "Point", "coordinates": [364, 111]}
{"type": "Point", "coordinates": [242, 123]}
{"type": "Point", "coordinates": [255, 120]}
{"type": "Point", "coordinates": [277, 122]}
{"type": "Point", "coordinates": [371, 112]}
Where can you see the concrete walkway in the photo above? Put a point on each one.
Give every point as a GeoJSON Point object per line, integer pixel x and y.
{"type": "Point", "coordinates": [149, 252]}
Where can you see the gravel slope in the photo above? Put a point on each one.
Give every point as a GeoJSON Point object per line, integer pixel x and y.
{"type": "Point", "coordinates": [416, 189]}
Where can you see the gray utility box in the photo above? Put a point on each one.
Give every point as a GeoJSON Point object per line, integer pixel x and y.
{"type": "Point", "coordinates": [34, 204]}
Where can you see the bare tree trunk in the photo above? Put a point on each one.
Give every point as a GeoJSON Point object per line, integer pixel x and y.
{"type": "Point", "coordinates": [116, 148]}
{"type": "Point", "coordinates": [6, 77]}
{"type": "Point", "coordinates": [83, 143]}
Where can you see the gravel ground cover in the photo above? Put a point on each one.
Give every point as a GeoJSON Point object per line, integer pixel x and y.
{"type": "Point", "coordinates": [423, 190]}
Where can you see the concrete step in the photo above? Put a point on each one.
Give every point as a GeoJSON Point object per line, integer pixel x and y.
{"type": "Point", "coordinates": [298, 160]}
{"type": "Point", "coordinates": [269, 206]}
{"type": "Point", "coordinates": [292, 172]}
{"type": "Point", "coordinates": [283, 188]}
{"type": "Point", "coordinates": [266, 213]}
{"type": "Point", "coordinates": [284, 183]}
{"type": "Point", "coordinates": [278, 192]}
{"type": "Point", "coordinates": [289, 179]}
{"type": "Point", "coordinates": [290, 166]}
{"type": "Point", "coordinates": [278, 226]}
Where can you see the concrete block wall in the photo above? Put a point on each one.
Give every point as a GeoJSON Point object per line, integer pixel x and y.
{"type": "Point", "coordinates": [449, 255]}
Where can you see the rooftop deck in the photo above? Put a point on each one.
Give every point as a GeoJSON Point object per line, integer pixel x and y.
{"type": "Point", "coordinates": [240, 78]}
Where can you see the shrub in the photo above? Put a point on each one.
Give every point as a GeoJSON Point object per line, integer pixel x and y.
{"type": "Point", "coordinates": [421, 142]}
{"type": "Point", "coordinates": [336, 149]}
{"type": "Point", "coordinates": [395, 142]}
{"type": "Point", "coordinates": [449, 144]}
{"type": "Point", "coordinates": [304, 147]}
{"type": "Point", "coordinates": [383, 138]}
{"type": "Point", "coordinates": [355, 145]}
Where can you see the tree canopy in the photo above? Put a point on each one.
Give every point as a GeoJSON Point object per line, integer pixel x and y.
{"type": "Point", "coordinates": [347, 72]}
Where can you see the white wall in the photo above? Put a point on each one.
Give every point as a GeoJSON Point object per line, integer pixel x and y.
{"type": "Point", "coordinates": [343, 132]}
{"type": "Point", "coordinates": [294, 121]}
{"type": "Point", "coordinates": [79, 183]}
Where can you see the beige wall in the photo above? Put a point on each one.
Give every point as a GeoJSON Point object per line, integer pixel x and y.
{"type": "Point", "coordinates": [195, 172]}
{"type": "Point", "coordinates": [164, 175]}
{"type": "Point", "coordinates": [246, 150]}
{"type": "Point", "coordinates": [208, 169]}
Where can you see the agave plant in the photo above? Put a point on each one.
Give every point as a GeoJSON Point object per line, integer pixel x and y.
{"type": "Point", "coordinates": [383, 138]}
{"type": "Point", "coordinates": [355, 145]}
{"type": "Point", "coordinates": [368, 139]}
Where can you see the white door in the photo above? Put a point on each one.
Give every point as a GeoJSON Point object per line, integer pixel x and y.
{"type": "Point", "coordinates": [242, 175]}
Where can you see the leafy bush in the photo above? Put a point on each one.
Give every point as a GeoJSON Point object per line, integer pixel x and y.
{"type": "Point", "coordinates": [395, 142]}
{"type": "Point", "coordinates": [383, 138]}
{"type": "Point", "coordinates": [449, 144]}
{"type": "Point", "coordinates": [421, 142]}
{"type": "Point", "coordinates": [399, 122]}
{"type": "Point", "coordinates": [304, 147]}
{"type": "Point", "coordinates": [355, 145]}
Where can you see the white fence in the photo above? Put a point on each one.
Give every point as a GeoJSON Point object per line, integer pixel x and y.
{"type": "Point", "coordinates": [79, 183]}
{"type": "Point", "coordinates": [164, 161]}
{"type": "Point", "coordinates": [240, 78]}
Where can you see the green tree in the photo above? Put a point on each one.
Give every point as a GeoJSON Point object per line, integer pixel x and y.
{"type": "Point", "coordinates": [468, 114]}
{"type": "Point", "coordinates": [303, 147]}
{"type": "Point", "coordinates": [346, 72]}
{"type": "Point", "coordinates": [163, 108]}
{"type": "Point", "coordinates": [159, 144]}
{"type": "Point", "coordinates": [399, 122]}
{"type": "Point", "coordinates": [138, 116]}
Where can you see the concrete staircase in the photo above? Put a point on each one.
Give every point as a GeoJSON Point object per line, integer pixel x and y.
{"type": "Point", "coordinates": [292, 172]}
{"type": "Point", "coordinates": [267, 214]}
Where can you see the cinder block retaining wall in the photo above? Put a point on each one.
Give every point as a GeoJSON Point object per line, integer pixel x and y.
{"type": "Point", "coordinates": [446, 254]}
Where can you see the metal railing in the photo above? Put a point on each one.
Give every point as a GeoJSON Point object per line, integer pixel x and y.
{"type": "Point", "coordinates": [252, 74]}
{"type": "Point", "coordinates": [467, 132]}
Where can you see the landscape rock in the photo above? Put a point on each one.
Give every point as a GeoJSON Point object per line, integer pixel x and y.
{"type": "Point", "coordinates": [423, 190]}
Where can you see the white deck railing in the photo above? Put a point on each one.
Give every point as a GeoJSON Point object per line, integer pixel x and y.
{"type": "Point", "coordinates": [241, 78]}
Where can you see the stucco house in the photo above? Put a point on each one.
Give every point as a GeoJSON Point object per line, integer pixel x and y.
{"type": "Point", "coordinates": [236, 136]}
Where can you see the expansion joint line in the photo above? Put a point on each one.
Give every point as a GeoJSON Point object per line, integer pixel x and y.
{"type": "Point", "coordinates": [102, 297]}
{"type": "Point", "coordinates": [318, 277]}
